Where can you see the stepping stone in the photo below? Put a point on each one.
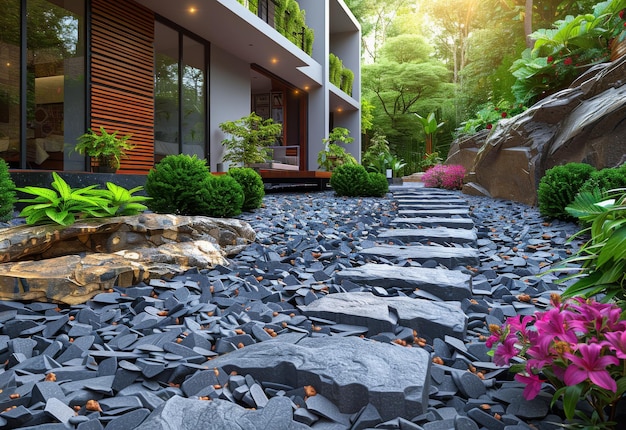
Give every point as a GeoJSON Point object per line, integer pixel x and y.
{"type": "Point", "coordinates": [351, 372]}
{"type": "Point", "coordinates": [443, 283]}
{"type": "Point", "coordinates": [384, 314]}
{"type": "Point", "coordinates": [436, 200]}
{"type": "Point", "coordinates": [448, 257]}
{"type": "Point", "coordinates": [178, 412]}
{"type": "Point", "coordinates": [434, 212]}
{"type": "Point", "coordinates": [433, 205]}
{"type": "Point", "coordinates": [451, 222]}
{"type": "Point", "coordinates": [441, 235]}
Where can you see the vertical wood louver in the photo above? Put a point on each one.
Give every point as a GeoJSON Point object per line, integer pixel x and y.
{"type": "Point", "coordinates": [122, 76]}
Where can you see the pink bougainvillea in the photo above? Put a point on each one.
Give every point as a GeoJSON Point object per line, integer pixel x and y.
{"type": "Point", "coordinates": [442, 176]}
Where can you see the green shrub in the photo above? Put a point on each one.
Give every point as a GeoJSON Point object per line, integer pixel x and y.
{"type": "Point", "coordinates": [350, 180]}
{"type": "Point", "coordinates": [225, 196]}
{"type": "Point", "coordinates": [558, 188]}
{"type": "Point", "coordinates": [179, 184]}
{"type": "Point", "coordinates": [377, 184]}
{"type": "Point", "coordinates": [7, 192]}
{"type": "Point", "coordinates": [606, 179]}
{"type": "Point", "coordinates": [252, 185]}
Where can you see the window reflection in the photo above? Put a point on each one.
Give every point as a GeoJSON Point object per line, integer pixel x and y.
{"type": "Point", "coordinates": [55, 87]}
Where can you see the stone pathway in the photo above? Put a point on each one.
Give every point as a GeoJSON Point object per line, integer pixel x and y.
{"type": "Point", "coordinates": [361, 382]}
{"type": "Point", "coordinates": [348, 330]}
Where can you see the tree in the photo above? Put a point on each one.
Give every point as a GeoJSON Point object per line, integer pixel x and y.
{"type": "Point", "coordinates": [251, 136]}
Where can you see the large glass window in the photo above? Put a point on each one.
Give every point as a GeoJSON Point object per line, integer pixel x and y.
{"type": "Point", "coordinates": [10, 82]}
{"type": "Point", "coordinates": [55, 70]}
{"type": "Point", "coordinates": [180, 94]}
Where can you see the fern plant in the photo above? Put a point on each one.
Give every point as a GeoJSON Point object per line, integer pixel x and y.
{"type": "Point", "coordinates": [602, 258]}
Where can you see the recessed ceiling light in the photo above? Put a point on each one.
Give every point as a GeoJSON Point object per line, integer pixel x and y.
{"type": "Point", "coordinates": [192, 10]}
{"type": "Point", "coordinates": [274, 60]}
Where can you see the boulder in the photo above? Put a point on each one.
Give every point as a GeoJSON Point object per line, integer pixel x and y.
{"type": "Point", "coordinates": [583, 123]}
{"type": "Point", "coordinates": [72, 264]}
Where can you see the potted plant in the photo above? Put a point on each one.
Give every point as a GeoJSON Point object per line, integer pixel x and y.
{"type": "Point", "coordinates": [334, 155]}
{"type": "Point", "coordinates": [250, 139]}
{"type": "Point", "coordinates": [106, 148]}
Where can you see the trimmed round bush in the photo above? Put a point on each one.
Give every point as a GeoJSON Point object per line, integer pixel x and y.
{"type": "Point", "coordinates": [350, 180]}
{"type": "Point", "coordinates": [559, 186]}
{"type": "Point", "coordinates": [252, 184]}
{"type": "Point", "coordinates": [378, 185]}
{"type": "Point", "coordinates": [606, 179]}
{"type": "Point", "coordinates": [179, 184]}
{"type": "Point", "coordinates": [225, 196]}
{"type": "Point", "coordinates": [7, 193]}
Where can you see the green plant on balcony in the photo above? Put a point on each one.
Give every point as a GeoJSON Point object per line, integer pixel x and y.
{"type": "Point", "coordinates": [339, 76]}
{"type": "Point", "coordinates": [347, 79]}
{"type": "Point", "coordinates": [290, 21]}
{"type": "Point", "coordinates": [334, 155]}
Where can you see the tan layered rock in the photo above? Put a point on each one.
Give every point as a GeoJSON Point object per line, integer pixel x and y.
{"type": "Point", "coordinates": [72, 264]}
{"type": "Point", "coordinates": [584, 123]}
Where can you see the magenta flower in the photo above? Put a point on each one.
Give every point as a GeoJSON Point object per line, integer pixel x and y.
{"type": "Point", "coordinates": [553, 323]}
{"type": "Point", "coordinates": [505, 351]}
{"type": "Point", "coordinates": [617, 343]}
{"type": "Point", "coordinates": [533, 385]}
{"type": "Point", "coordinates": [540, 353]}
{"type": "Point", "coordinates": [591, 365]}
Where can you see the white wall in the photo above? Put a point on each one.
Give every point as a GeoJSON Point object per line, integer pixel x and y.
{"type": "Point", "coordinates": [229, 97]}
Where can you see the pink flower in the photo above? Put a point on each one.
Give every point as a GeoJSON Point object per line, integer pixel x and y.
{"type": "Point", "coordinates": [505, 351]}
{"type": "Point", "coordinates": [617, 343]}
{"type": "Point", "coordinates": [533, 385]}
{"type": "Point", "coordinates": [504, 114]}
{"type": "Point", "coordinates": [553, 324]}
{"type": "Point", "coordinates": [489, 126]}
{"type": "Point", "coordinates": [621, 14]}
{"type": "Point", "coordinates": [567, 61]}
{"type": "Point", "coordinates": [541, 353]}
{"type": "Point", "coordinates": [591, 365]}
{"type": "Point", "coordinates": [550, 59]}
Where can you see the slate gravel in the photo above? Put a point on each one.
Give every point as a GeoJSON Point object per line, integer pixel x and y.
{"type": "Point", "coordinates": [136, 357]}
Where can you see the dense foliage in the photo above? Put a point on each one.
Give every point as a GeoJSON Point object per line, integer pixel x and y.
{"type": "Point", "coordinates": [606, 179]}
{"type": "Point", "coordinates": [182, 184]}
{"type": "Point", "coordinates": [252, 185]}
{"type": "Point", "coordinates": [179, 184]}
{"type": "Point", "coordinates": [558, 188]}
{"type": "Point", "coordinates": [353, 180]}
{"type": "Point", "coordinates": [7, 192]}
{"type": "Point", "coordinates": [225, 196]}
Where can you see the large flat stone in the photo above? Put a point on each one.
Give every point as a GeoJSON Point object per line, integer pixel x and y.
{"type": "Point", "coordinates": [434, 212]}
{"type": "Point", "coordinates": [351, 372]}
{"type": "Point", "coordinates": [383, 314]}
{"type": "Point", "coordinates": [189, 414]}
{"type": "Point", "coordinates": [431, 205]}
{"type": "Point", "coordinates": [422, 200]}
{"type": "Point", "coordinates": [448, 257]}
{"type": "Point", "coordinates": [441, 235]}
{"type": "Point", "coordinates": [443, 283]}
{"type": "Point", "coordinates": [451, 222]}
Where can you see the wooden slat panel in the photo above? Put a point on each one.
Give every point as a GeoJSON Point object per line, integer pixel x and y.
{"type": "Point", "coordinates": [122, 77]}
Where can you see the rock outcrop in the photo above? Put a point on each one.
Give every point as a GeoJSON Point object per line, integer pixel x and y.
{"type": "Point", "coordinates": [583, 123]}
{"type": "Point", "coordinates": [72, 264]}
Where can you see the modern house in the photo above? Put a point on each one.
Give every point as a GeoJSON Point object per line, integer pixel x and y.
{"type": "Point", "coordinates": [168, 73]}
